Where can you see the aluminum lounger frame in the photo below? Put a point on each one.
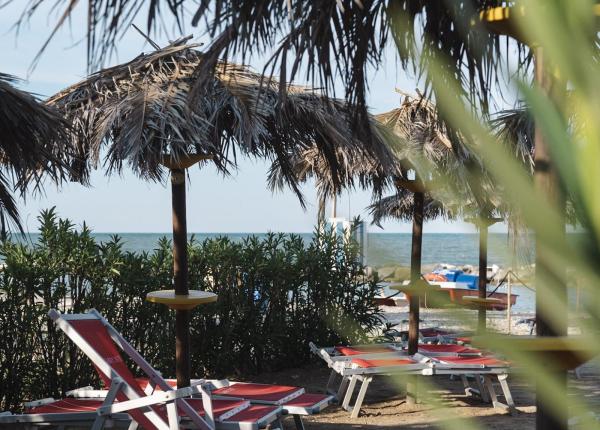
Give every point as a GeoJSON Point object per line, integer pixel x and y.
{"type": "Point", "coordinates": [105, 415]}
{"type": "Point", "coordinates": [351, 374]}
{"type": "Point", "coordinates": [287, 409]}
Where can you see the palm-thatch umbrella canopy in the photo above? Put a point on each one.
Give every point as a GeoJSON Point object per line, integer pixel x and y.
{"type": "Point", "coordinates": [143, 114]}
{"type": "Point", "coordinates": [399, 206]}
{"type": "Point", "coordinates": [356, 168]}
{"type": "Point", "coordinates": [449, 181]}
{"type": "Point", "coordinates": [32, 146]}
{"type": "Point", "coordinates": [430, 153]}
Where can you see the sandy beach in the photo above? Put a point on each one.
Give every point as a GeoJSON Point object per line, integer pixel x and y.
{"type": "Point", "coordinates": [459, 319]}
{"type": "Point", "coordinates": [385, 406]}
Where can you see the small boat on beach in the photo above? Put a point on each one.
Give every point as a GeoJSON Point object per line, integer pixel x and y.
{"type": "Point", "coordinates": [460, 286]}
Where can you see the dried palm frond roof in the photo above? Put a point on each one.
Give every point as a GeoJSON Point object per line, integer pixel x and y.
{"type": "Point", "coordinates": [456, 183]}
{"type": "Point", "coordinates": [515, 128]}
{"type": "Point", "coordinates": [426, 141]}
{"type": "Point", "coordinates": [400, 206]}
{"type": "Point", "coordinates": [337, 40]}
{"type": "Point", "coordinates": [32, 144]}
{"type": "Point", "coordinates": [143, 110]}
{"type": "Point", "coordinates": [418, 140]}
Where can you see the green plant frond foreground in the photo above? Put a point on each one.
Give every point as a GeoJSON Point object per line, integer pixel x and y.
{"type": "Point", "coordinates": [276, 294]}
{"type": "Point", "coordinates": [564, 39]}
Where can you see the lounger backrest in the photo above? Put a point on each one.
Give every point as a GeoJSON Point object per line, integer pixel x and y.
{"type": "Point", "coordinates": [89, 333]}
{"type": "Point", "coordinates": [95, 334]}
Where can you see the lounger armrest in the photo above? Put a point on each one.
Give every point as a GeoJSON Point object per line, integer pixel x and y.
{"type": "Point", "coordinates": [154, 399]}
{"type": "Point", "coordinates": [87, 394]}
{"type": "Point", "coordinates": [39, 402]}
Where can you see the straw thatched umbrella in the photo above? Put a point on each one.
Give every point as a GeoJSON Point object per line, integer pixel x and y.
{"type": "Point", "coordinates": [339, 39]}
{"type": "Point", "coordinates": [357, 168]}
{"type": "Point", "coordinates": [32, 146]}
{"type": "Point", "coordinates": [399, 206]}
{"type": "Point", "coordinates": [145, 116]}
{"type": "Point", "coordinates": [435, 159]}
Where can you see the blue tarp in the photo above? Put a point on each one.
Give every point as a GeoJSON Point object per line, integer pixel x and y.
{"type": "Point", "coordinates": [449, 274]}
{"type": "Point", "coordinates": [470, 280]}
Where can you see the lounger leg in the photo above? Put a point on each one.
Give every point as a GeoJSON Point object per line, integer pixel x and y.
{"type": "Point", "coordinates": [298, 422]}
{"type": "Point", "coordinates": [172, 416]}
{"type": "Point", "coordinates": [115, 386]}
{"type": "Point", "coordinates": [133, 425]}
{"type": "Point", "coordinates": [495, 402]}
{"type": "Point", "coordinates": [466, 386]}
{"type": "Point", "coordinates": [342, 388]}
{"type": "Point", "coordinates": [506, 390]}
{"type": "Point", "coordinates": [331, 382]}
{"type": "Point", "coordinates": [349, 392]}
{"type": "Point", "coordinates": [361, 396]}
{"type": "Point", "coordinates": [482, 390]}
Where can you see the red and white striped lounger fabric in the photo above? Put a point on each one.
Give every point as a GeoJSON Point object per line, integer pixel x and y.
{"type": "Point", "coordinates": [293, 400]}
{"type": "Point", "coordinates": [362, 363]}
{"type": "Point", "coordinates": [223, 410]}
{"type": "Point", "coordinates": [126, 401]}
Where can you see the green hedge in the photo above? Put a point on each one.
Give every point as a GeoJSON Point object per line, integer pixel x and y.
{"type": "Point", "coordinates": [275, 295]}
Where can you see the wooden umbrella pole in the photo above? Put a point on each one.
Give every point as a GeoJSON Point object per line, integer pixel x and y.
{"type": "Point", "coordinates": [547, 183]}
{"type": "Point", "coordinates": [482, 281]}
{"type": "Point", "coordinates": [415, 276]}
{"type": "Point", "coordinates": [180, 277]}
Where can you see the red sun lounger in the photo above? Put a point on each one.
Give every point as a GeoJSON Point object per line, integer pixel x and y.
{"type": "Point", "coordinates": [447, 359]}
{"type": "Point", "coordinates": [365, 349]}
{"type": "Point", "coordinates": [448, 348]}
{"type": "Point", "coordinates": [292, 400]}
{"type": "Point", "coordinates": [125, 403]}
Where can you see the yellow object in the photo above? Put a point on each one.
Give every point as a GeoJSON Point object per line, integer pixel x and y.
{"type": "Point", "coordinates": [479, 301]}
{"type": "Point", "coordinates": [503, 20]}
{"type": "Point", "coordinates": [566, 352]}
{"type": "Point", "coordinates": [418, 288]}
{"type": "Point", "coordinates": [183, 162]}
{"type": "Point", "coordinates": [180, 301]}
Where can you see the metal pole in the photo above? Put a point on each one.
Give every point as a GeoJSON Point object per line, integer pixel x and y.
{"type": "Point", "coordinates": [547, 184]}
{"type": "Point", "coordinates": [508, 305]}
{"type": "Point", "coordinates": [334, 206]}
{"type": "Point", "coordinates": [482, 281]}
{"type": "Point", "coordinates": [180, 277]}
{"type": "Point", "coordinates": [415, 276]}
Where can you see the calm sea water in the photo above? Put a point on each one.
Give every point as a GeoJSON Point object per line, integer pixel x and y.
{"type": "Point", "coordinates": [384, 249]}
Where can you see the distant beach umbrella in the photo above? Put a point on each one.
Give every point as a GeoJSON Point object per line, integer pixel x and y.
{"type": "Point", "coordinates": [449, 181]}
{"type": "Point", "coordinates": [431, 154]}
{"type": "Point", "coordinates": [33, 146]}
{"type": "Point", "coordinates": [144, 115]}
{"type": "Point", "coordinates": [357, 168]}
{"type": "Point", "coordinates": [399, 206]}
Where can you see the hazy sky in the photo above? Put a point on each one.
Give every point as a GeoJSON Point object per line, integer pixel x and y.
{"type": "Point", "coordinates": [239, 203]}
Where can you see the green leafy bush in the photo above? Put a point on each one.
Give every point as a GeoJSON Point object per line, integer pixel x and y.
{"type": "Point", "coordinates": [275, 295]}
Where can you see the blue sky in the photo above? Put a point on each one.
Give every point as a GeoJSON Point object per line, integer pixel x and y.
{"type": "Point", "coordinates": [239, 203]}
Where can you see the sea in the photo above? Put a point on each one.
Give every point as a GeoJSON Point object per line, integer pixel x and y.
{"type": "Point", "coordinates": [383, 249]}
